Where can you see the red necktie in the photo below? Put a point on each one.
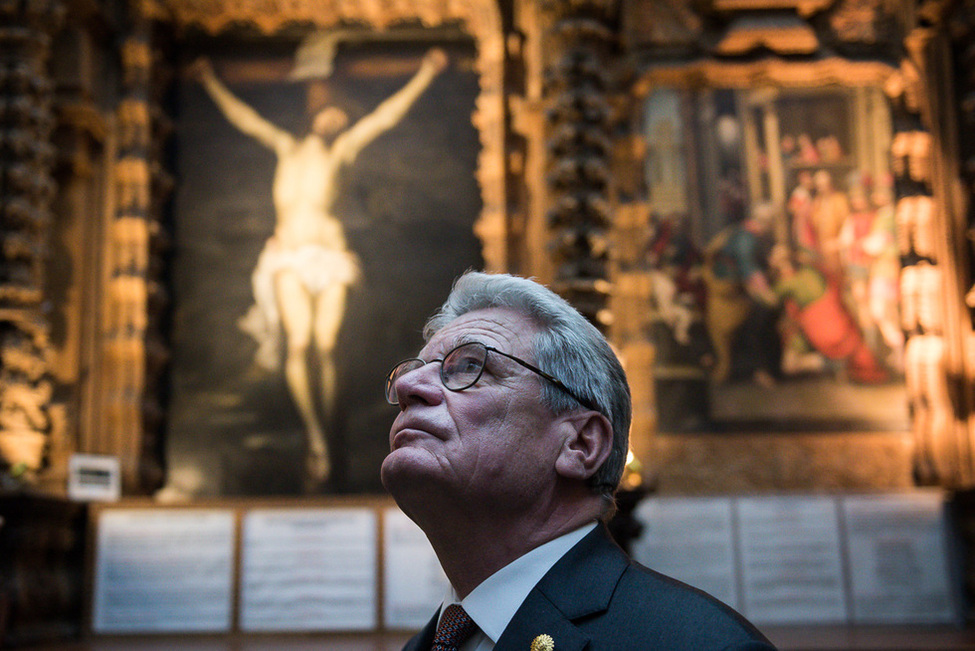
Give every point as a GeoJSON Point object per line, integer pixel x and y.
{"type": "Point", "coordinates": [454, 629]}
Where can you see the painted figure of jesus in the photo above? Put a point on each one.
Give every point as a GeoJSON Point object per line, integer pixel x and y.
{"type": "Point", "coordinates": [304, 271]}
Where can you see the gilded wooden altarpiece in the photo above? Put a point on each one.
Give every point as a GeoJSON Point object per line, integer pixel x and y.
{"type": "Point", "coordinates": [897, 53]}
{"type": "Point", "coordinates": [118, 361]}
{"type": "Point", "coordinates": [564, 197]}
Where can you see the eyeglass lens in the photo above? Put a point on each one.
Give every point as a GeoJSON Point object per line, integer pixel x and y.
{"type": "Point", "coordinates": [399, 371]}
{"type": "Point", "coordinates": [459, 370]}
{"type": "Point", "coordinates": [463, 366]}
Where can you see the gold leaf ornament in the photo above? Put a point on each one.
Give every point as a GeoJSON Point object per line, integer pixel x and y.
{"type": "Point", "coordinates": [543, 643]}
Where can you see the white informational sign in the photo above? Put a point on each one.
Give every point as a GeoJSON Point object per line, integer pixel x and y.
{"type": "Point", "coordinates": [163, 570]}
{"type": "Point", "coordinates": [792, 570]}
{"type": "Point", "coordinates": [309, 570]}
{"type": "Point", "coordinates": [692, 540]}
{"type": "Point", "coordinates": [94, 478]}
{"type": "Point", "coordinates": [898, 553]}
{"type": "Point", "coordinates": [414, 583]}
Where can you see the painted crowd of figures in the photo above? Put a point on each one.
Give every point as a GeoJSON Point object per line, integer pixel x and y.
{"type": "Point", "coordinates": [822, 300]}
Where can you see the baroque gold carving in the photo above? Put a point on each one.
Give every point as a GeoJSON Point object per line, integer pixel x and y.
{"type": "Point", "coordinates": [747, 34]}
{"type": "Point", "coordinates": [132, 184]}
{"type": "Point", "coordinates": [930, 290]}
{"type": "Point", "coordinates": [928, 394]}
{"type": "Point", "coordinates": [857, 20]}
{"type": "Point", "coordinates": [906, 84]}
{"type": "Point", "coordinates": [26, 166]}
{"type": "Point", "coordinates": [579, 116]}
{"type": "Point", "coordinates": [922, 288]}
{"type": "Point", "coordinates": [925, 229]}
{"type": "Point", "coordinates": [25, 390]}
{"type": "Point", "coordinates": [908, 295]}
{"type": "Point", "coordinates": [803, 7]}
{"type": "Point", "coordinates": [661, 22]}
{"type": "Point", "coordinates": [127, 314]}
{"type": "Point", "coordinates": [911, 155]}
{"type": "Point", "coordinates": [271, 15]}
{"type": "Point", "coordinates": [130, 240]}
{"type": "Point", "coordinates": [134, 121]}
{"type": "Point", "coordinates": [916, 229]}
{"type": "Point", "coordinates": [771, 72]}
{"type": "Point", "coordinates": [905, 221]}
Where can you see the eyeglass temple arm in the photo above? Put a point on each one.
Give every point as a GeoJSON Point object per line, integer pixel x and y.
{"type": "Point", "coordinates": [554, 380]}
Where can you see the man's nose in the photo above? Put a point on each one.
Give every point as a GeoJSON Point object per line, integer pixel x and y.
{"type": "Point", "coordinates": [421, 385]}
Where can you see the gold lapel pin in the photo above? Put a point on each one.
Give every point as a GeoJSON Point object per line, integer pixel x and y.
{"type": "Point", "coordinates": [543, 643]}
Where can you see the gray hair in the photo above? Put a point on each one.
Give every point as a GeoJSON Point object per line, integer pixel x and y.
{"type": "Point", "coordinates": [568, 346]}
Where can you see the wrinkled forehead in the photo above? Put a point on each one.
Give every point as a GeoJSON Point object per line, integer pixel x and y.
{"type": "Point", "coordinates": [503, 328]}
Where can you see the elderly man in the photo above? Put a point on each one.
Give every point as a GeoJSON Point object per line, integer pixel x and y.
{"type": "Point", "coordinates": [510, 471]}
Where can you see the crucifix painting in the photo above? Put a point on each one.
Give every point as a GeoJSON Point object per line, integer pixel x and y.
{"type": "Point", "coordinates": [329, 249]}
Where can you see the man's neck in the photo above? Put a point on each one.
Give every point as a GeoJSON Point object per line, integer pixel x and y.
{"type": "Point", "coordinates": [472, 549]}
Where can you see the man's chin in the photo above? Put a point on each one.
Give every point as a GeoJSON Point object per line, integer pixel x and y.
{"type": "Point", "coordinates": [404, 467]}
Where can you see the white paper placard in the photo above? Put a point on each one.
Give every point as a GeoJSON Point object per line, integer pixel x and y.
{"type": "Point", "coordinates": [94, 478]}
{"type": "Point", "coordinates": [792, 571]}
{"type": "Point", "coordinates": [692, 540]}
{"type": "Point", "coordinates": [163, 570]}
{"type": "Point", "coordinates": [414, 583]}
{"type": "Point", "coordinates": [898, 553]}
{"type": "Point", "coordinates": [309, 570]}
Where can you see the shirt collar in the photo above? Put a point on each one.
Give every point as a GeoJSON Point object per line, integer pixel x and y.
{"type": "Point", "coordinates": [495, 601]}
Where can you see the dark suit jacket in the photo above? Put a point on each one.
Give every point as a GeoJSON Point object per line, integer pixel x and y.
{"type": "Point", "coordinates": [596, 598]}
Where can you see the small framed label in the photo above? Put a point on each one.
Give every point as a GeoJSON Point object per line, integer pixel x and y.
{"type": "Point", "coordinates": [94, 478]}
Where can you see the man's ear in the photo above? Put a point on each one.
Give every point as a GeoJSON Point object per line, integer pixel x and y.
{"type": "Point", "coordinates": [587, 442]}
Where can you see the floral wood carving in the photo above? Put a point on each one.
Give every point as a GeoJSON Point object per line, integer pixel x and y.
{"type": "Point", "coordinates": [580, 117]}
{"type": "Point", "coordinates": [134, 300]}
{"type": "Point", "coordinates": [928, 394]}
{"type": "Point", "coordinates": [662, 22]}
{"type": "Point", "coordinates": [857, 20]}
{"type": "Point", "coordinates": [26, 165]}
{"type": "Point", "coordinates": [767, 72]}
{"type": "Point", "coordinates": [803, 7]}
{"type": "Point", "coordinates": [788, 35]}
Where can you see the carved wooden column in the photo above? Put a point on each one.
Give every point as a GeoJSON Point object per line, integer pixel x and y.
{"type": "Point", "coordinates": [528, 55]}
{"type": "Point", "coordinates": [586, 227]}
{"type": "Point", "coordinates": [26, 160]}
{"type": "Point", "coordinates": [632, 295]}
{"type": "Point", "coordinates": [135, 352]}
{"type": "Point", "coordinates": [579, 124]}
{"type": "Point", "coordinates": [962, 29]}
{"type": "Point", "coordinates": [931, 219]}
{"type": "Point", "coordinates": [73, 275]}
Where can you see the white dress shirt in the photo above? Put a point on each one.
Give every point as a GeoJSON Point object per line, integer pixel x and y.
{"type": "Point", "coordinates": [495, 601]}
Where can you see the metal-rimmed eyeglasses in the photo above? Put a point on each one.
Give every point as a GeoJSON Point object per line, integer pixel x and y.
{"type": "Point", "coordinates": [463, 366]}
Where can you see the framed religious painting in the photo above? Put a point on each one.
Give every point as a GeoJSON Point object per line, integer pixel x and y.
{"type": "Point", "coordinates": [326, 197]}
{"type": "Point", "coordinates": [774, 260]}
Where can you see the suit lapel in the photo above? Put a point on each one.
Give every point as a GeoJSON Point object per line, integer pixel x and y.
{"type": "Point", "coordinates": [539, 616]}
{"type": "Point", "coordinates": [423, 640]}
{"type": "Point", "coordinates": [580, 584]}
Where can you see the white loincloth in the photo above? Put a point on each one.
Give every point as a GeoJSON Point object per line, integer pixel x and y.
{"type": "Point", "coordinates": [317, 267]}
